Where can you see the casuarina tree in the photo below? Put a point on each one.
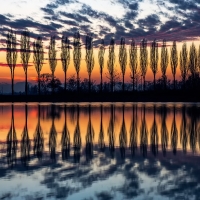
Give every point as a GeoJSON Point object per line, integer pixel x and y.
{"type": "Point", "coordinates": [174, 61]}
{"type": "Point", "coordinates": [154, 60]}
{"type": "Point", "coordinates": [52, 58]}
{"type": "Point", "coordinates": [164, 62]}
{"type": "Point", "coordinates": [65, 57]}
{"type": "Point", "coordinates": [143, 60]}
{"type": "Point", "coordinates": [122, 59]}
{"type": "Point", "coordinates": [77, 56]}
{"type": "Point", "coordinates": [133, 61]}
{"type": "Point", "coordinates": [184, 62]}
{"type": "Point", "coordinates": [111, 62]}
{"type": "Point", "coordinates": [89, 58]}
{"type": "Point", "coordinates": [38, 58]}
{"type": "Point", "coordinates": [101, 61]}
{"type": "Point", "coordinates": [25, 54]}
{"type": "Point", "coordinates": [11, 54]}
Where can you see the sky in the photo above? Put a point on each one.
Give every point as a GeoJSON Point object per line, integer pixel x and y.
{"type": "Point", "coordinates": [150, 19]}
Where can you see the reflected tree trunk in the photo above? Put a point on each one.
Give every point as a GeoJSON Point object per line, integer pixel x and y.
{"type": "Point", "coordinates": [164, 130]}
{"type": "Point", "coordinates": [101, 132]}
{"type": "Point", "coordinates": [174, 133]}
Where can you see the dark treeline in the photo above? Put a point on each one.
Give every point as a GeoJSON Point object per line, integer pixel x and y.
{"type": "Point", "coordinates": [134, 139]}
{"type": "Point", "coordinates": [134, 56]}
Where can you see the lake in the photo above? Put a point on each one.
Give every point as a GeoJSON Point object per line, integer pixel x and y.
{"type": "Point", "coordinates": [100, 151]}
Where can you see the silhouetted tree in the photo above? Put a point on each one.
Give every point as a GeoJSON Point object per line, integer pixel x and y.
{"type": "Point", "coordinates": [38, 147]}
{"type": "Point", "coordinates": [154, 60]}
{"type": "Point", "coordinates": [38, 58]}
{"type": "Point", "coordinates": [164, 130]}
{"type": "Point", "coordinates": [174, 61]}
{"type": "Point", "coordinates": [184, 63]}
{"type": "Point", "coordinates": [77, 56]}
{"type": "Point", "coordinates": [89, 58]}
{"type": "Point", "coordinates": [25, 54]}
{"type": "Point", "coordinates": [101, 61]}
{"type": "Point", "coordinates": [12, 142]}
{"type": "Point", "coordinates": [154, 134]}
{"type": "Point", "coordinates": [65, 57]}
{"type": "Point", "coordinates": [25, 142]}
{"type": "Point", "coordinates": [193, 65]}
{"type": "Point", "coordinates": [11, 54]}
{"type": "Point", "coordinates": [198, 59]}
{"type": "Point", "coordinates": [101, 132]}
{"type": "Point", "coordinates": [174, 132]}
{"type": "Point", "coordinates": [133, 131]}
{"type": "Point", "coordinates": [111, 131]}
{"type": "Point", "coordinates": [65, 140]}
{"type": "Point", "coordinates": [164, 62]}
{"type": "Point", "coordinates": [77, 139]}
{"type": "Point", "coordinates": [52, 57]}
{"type": "Point", "coordinates": [122, 59]}
{"type": "Point", "coordinates": [123, 136]}
{"type": "Point", "coordinates": [89, 138]}
{"type": "Point", "coordinates": [133, 61]}
{"type": "Point", "coordinates": [111, 63]}
{"type": "Point", "coordinates": [143, 60]}
{"type": "Point", "coordinates": [143, 134]}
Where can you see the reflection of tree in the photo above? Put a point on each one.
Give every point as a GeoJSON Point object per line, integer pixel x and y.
{"type": "Point", "coordinates": [183, 131]}
{"type": "Point", "coordinates": [133, 132]}
{"type": "Point", "coordinates": [65, 140]}
{"type": "Point", "coordinates": [164, 130]}
{"type": "Point", "coordinates": [25, 142]}
{"type": "Point", "coordinates": [154, 134]}
{"type": "Point", "coordinates": [193, 129]}
{"type": "Point", "coordinates": [174, 133]}
{"type": "Point", "coordinates": [89, 138]}
{"type": "Point", "coordinates": [111, 133]}
{"type": "Point", "coordinates": [52, 136]}
{"type": "Point", "coordinates": [38, 138]}
{"type": "Point", "coordinates": [12, 142]}
{"type": "Point", "coordinates": [101, 133]}
{"type": "Point", "coordinates": [77, 139]}
{"type": "Point", "coordinates": [123, 137]}
{"type": "Point", "coordinates": [143, 134]}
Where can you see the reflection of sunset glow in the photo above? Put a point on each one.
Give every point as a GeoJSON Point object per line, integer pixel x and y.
{"type": "Point", "coordinates": [46, 120]}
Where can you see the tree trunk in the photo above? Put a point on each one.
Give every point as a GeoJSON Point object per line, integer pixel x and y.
{"type": "Point", "coordinates": [89, 83]}
{"type": "Point", "coordinates": [26, 86]}
{"type": "Point", "coordinates": [12, 79]}
{"type": "Point", "coordinates": [77, 82]}
{"type": "Point", "coordinates": [101, 82]}
{"type": "Point", "coordinates": [144, 83]}
{"type": "Point", "coordinates": [133, 82]}
{"type": "Point", "coordinates": [123, 83]}
{"type": "Point", "coordinates": [39, 84]}
{"type": "Point", "coordinates": [154, 82]}
{"type": "Point", "coordinates": [174, 83]}
{"type": "Point", "coordinates": [65, 81]}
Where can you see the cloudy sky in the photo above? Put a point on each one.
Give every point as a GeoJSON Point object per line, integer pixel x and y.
{"type": "Point", "coordinates": [105, 18]}
{"type": "Point", "coordinates": [151, 19]}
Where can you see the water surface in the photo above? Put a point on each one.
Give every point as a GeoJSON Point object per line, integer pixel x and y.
{"type": "Point", "coordinates": [99, 151]}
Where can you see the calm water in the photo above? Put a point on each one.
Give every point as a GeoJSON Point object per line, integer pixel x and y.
{"type": "Point", "coordinates": [100, 151]}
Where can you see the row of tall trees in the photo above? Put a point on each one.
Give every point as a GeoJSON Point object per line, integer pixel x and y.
{"type": "Point", "coordinates": [189, 61]}
{"type": "Point", "coordinates": [189, 134]}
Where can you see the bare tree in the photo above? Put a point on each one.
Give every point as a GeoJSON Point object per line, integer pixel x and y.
{"type": "Point", "coordinates": [193, 60]}
{"type": "Point", "coordinates": [133, 61]}
{"type": "Point", "coordinates": [25, 54]}
{"type": "Point", "coordinates": [154, 60]}
{"type": "Point", "coordinates": [111, 62]}
{"type": "Point", "coordinates": [164, 62]}
{"type": "Point", "coordinates": [174, 61]}
{"type": "Point", "coordinates": [123, 59]}
{"type": "Point", "coordinates": [65, 56]}
{"type": "Point", "coordinates": [89, 58]}
{"type": "Point", "coordinates": [184, 62]}
{"type": "Point", "coordinates": [143, 60]}
{"type": "Point", "coordinates": [11, 55]}
{"type": "Point", "coordinates": [52, 58]}
{"type": "Point", "coordinates": [101, 61]}
{"type": "Point", "coordinates": [38, 58]}
{"type": "Point", "coordinates": [77, 55]}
